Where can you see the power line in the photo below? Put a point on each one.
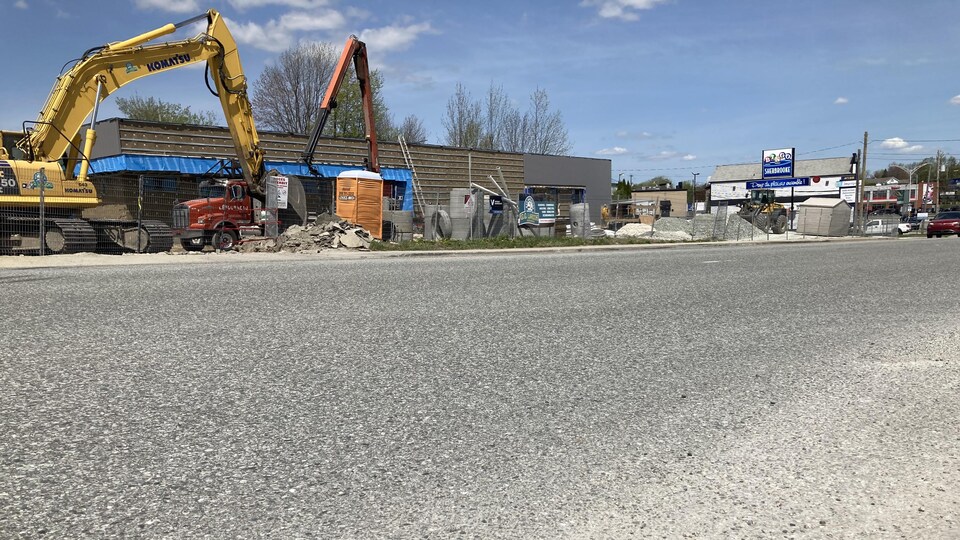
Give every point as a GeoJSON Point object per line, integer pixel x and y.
{"type": "Point", "coordinates": [857, 143]}
{"type": "Point", "coordinates": [829, 148]}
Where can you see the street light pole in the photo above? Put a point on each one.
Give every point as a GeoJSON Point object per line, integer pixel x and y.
{"type": "Point", "coordinates": [695, 175]}
{"type": "Point", "coordinates": [910, 185]}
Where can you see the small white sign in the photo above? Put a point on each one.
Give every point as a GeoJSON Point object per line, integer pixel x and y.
{"type": "Point", "coordinates": [283, 191]}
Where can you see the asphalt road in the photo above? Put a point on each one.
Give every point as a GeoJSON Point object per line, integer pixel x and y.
{"type": "Point", "coordinates": [802, 391]}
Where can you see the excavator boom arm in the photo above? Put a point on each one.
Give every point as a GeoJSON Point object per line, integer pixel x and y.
{"type": "Point", "coordinates": [102, 71]}
{"type": "Point", "coordinates": [354, 50]}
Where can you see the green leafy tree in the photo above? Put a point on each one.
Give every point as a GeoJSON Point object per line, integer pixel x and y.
{"type": "Point", "coordinates": [346, 120]}
{"type": "Point", "coordinates": [156, 110]}
{"type": "Point", "coordinates": [656, 181]}
{"type": "Point", "coordinates": [623, 190]}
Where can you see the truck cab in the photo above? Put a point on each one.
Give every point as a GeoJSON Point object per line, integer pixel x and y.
{"type": "Point", "coordinates": [223, 212]}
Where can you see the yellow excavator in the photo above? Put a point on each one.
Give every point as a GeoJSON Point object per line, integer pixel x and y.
{"type": "Point", "coordinates": [44, 187]}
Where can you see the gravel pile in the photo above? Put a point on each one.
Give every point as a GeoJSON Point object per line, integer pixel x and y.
{"type": "Point", "coordinates": [329, 232]}
{"type": "Point", "coordinates": [633, 230]}
{"type": "Point", "coordinates": [705, 227]}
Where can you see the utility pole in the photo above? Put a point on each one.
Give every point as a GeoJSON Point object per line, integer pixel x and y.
{"type": "Point", "coordinates": [861, 179]}
{"type": "Point", "coordinates": [936, 203]}
{"type": "Point", "coordinates": [695, 175]}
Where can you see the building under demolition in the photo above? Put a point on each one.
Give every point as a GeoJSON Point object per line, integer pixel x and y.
{"type": "Point", "coordinates": [170, 161]}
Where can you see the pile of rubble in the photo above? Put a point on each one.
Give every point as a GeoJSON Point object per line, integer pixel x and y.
{"type": "Point", "coordinates": [706, 227]}
{"type": "Point", "coordinates": [328, 232]}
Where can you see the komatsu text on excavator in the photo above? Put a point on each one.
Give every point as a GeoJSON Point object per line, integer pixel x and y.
{"type": "Point", "coordinates": [44, 188]}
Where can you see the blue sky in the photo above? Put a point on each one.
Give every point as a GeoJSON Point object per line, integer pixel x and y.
{"type": "Point", "coordinates": [659, 87]}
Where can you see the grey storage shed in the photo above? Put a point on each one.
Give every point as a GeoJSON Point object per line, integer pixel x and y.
{"type": "Point", "coordinates": [820, 216]}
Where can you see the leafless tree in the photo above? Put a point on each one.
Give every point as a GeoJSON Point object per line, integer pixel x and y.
{"type": "Point", "coordinates": [413, 130]}
{"type": "Point", "coordinates": [514, 131]}
{"type": "Point", "coordinates": [497, 108]}
{"type": "Point", "coordinates": [287, 95]}
{"type": "Point", "coordinates": [545, 131]}
{"type": "Point", "coordinates": [495, 124]}
{"type": "Point", "coordinates": [464, 120]}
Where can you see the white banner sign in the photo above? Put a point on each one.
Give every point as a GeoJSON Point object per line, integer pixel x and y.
{"type": "Point", "coordinates": [283, 191]}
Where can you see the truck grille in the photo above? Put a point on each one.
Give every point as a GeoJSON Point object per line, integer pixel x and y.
{"type": "Point", "coordinates": [181, 216]}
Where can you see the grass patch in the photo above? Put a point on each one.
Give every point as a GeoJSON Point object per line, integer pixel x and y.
{"type": "Point", "coordinates": [503, 243]}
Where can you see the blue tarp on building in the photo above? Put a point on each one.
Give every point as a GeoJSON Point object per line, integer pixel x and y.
{"type": "Point", "coordinates": [200, 166]}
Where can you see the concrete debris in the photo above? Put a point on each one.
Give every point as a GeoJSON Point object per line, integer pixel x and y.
{"type": "Point", "coordinates": [328, 232]}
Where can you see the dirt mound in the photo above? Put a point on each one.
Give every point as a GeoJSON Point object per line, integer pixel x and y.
{"type": "Point", "coordinates": [328, 232]}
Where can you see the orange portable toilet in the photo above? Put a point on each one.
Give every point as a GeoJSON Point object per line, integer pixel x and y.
{"type": "Point", "coordinates": [360, 200]}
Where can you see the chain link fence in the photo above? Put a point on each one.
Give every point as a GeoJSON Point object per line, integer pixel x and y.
{"type": "Point", "coordinates": [136, 214]}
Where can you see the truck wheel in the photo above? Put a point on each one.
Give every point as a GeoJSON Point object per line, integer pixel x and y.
{"type": "Point", "coordinates": [224, 239]}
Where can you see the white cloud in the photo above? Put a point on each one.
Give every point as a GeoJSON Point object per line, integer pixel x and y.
{"type": "Point", "coordinates": [393, 38]}
{"type": "Point", "coordinates": [624, 134]}
{"type": "Point", "coordinates": [173, 6]}
{"type": "Point", "coordinates": [20, 4]}
{"type": "Point", "coordinates": [955, 100]}
{"type": "Point", "coordinates": [900, 145]}
{"type": "Point", "coordinates": [625, 10]}
{"type": "Point", "coordinates": [277, 35]}
{"type": "Point", "coordinates": [299, 4]}
{"type": "Point", "coordinates": [615, 151]}
{"type": "Point", "coordinates": [841, 101]}
{"type": "Point", "coordinates": [267, 37]}
{"type": "Point", "coordinates": [689, 157]}
{"type": "Point", "coordinates": [663, 156]}
{"type": "Point", "coordinates": [309, 22]}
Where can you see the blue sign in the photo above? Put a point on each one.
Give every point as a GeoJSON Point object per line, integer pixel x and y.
{"type": "Point", "coordinates": [781, 183]}
{"type": "Point", "coordinates": [955, 182]}
{"type": "Point", "coordinates": [778, 163]}
{"type": "Point", "coordinates": [534, 212]}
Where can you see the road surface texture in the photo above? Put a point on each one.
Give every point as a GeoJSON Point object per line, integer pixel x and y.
{"type": "Point", "coordinates": [800, 391]}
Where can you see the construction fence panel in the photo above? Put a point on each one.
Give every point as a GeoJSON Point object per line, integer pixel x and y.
{"type": "Point", "coordinates": [128, 198]}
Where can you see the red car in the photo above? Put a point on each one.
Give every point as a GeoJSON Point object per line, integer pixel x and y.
{"type": "Point", "coordinates": [944, 223]}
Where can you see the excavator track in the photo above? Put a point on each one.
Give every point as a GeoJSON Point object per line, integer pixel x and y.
{"type": "Point", "coordinates": [69, 236]}
{"type": "Point", "coordinates": [115, 236]}
{"type": "Point", "coordinates": [160, 235]}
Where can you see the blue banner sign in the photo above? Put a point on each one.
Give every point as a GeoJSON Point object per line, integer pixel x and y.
{"type": "Point", "coordinates": [781, 183]}
{"type": "Point", "coordinates": [534, 212]}
{"type": "Point", "coordinates": [778, 163]}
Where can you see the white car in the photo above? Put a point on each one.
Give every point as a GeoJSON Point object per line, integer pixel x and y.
{"type": "Point", "coordinates": [885, 226]}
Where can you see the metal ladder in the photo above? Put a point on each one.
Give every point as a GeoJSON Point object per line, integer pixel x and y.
{"type": "Point", "coordinates": [417, 191]}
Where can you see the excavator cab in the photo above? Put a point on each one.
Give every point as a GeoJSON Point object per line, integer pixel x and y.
{"type": "Point", "coordinates": [8, 149]}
